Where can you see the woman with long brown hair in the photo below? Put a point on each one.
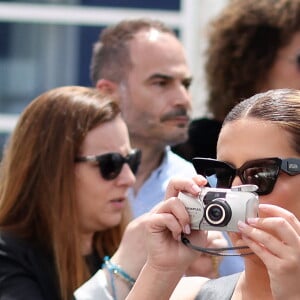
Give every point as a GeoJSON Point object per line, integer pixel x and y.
{"type": "Point", "coordinates": [63, 184]}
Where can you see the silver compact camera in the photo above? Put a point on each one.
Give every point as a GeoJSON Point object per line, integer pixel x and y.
{"type": "Point", "coordinates": [221, 209]}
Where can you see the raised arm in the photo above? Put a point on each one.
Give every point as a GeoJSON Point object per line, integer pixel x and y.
{"type": "Point", "coordinates": [168, 258]}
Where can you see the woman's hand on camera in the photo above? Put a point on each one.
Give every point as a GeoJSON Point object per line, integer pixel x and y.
{"type": "Point", "coordinates": [168, 257]}
{"type": "Point", "coordinates": [275, 239]}
{"type": "Point", "coordinates": [166, 224]}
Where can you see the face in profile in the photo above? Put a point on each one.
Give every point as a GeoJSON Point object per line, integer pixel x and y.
{"type": "Point", "coordinates": [101, 201]}
{"type": "Point", "coordinates": [249, 139]}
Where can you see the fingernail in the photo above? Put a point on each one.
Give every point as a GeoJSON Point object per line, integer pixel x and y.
{"type": "Point", "coordinates": [196, 188]}
{"type": "Point", "coordinates": [264, 206]}
{"type": "Point", "coordinates": [252, 220]}
{"type": "Point", "coordinates": [242, 225]}
{"type": "Point", "coordinates": [187, 229]}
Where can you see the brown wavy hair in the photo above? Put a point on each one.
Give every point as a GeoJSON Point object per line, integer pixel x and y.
{"type": "Point", "coordinates": [37, 178]}
{"type": "Point", "coordinates": [243, 41]}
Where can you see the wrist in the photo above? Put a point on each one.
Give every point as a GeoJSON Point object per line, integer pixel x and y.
{"type": "Point", "coordinates": [155, 283]}
{"type": "Point", "coordinates": [119, 281]}
{"type": "Point", "coordinates": [131, 266]}
{"type": "Point", "coordinates": [118, 271]}
{"type": "Point", "coordinates": [167, 273]}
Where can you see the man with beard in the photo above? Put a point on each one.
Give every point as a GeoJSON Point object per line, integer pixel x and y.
{"type": "Point", "coordinates": [144, 64]}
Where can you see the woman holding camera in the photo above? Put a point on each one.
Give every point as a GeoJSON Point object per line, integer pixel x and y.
{"type": "Point", "coordinates": [259, 143]}
{"type": "Point", "coordinates": [63, 189]}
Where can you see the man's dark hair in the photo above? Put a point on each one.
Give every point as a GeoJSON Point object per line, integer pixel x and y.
{"type": "Point", "coordinates": [111, 56]}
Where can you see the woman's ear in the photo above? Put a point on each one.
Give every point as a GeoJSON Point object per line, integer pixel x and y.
{"type": "Point", "coordinates": [106, 86]}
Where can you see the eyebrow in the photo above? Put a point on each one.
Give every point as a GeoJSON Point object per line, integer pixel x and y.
{"type": "Point", "coordinates": [167, 77]}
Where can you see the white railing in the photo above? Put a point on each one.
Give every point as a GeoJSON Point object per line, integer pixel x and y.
{"type": "Point", "coordinates": [81, 15]}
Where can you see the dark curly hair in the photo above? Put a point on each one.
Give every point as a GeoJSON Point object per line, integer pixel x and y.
{"type": "Point", "coordinates": [243, 43]}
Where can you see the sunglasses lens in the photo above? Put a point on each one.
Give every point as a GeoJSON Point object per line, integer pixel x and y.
{"type": "Point", "coordinates": [134, 160]}
{"type": "Point", "coordinates": [218, 177]}
{"type": "Point", "coordinates": [217, 173]}
{"type": "Point", "coordinates": [111, 165]}
{"type": "Point", "coordinates": [263, 176]}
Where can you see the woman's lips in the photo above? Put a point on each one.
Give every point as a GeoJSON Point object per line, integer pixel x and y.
{"type": "Point", "coordinates": [118, 202]}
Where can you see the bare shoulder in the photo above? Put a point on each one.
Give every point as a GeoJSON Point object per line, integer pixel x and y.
{"type": "Point", "coordinates": [188, 288]}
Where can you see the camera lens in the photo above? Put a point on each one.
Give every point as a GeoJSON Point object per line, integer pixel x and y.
{"type": "Point", "coordinates": [218, 213]}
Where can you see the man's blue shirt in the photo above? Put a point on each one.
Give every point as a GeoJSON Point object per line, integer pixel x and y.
{"type": "Point", "coordinates": [154, 188]}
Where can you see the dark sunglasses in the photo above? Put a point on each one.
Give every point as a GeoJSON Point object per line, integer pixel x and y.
{"type": "Point", "coordinates": [261, 172]}
{"type": "Point", "coordinates": [111, 164]}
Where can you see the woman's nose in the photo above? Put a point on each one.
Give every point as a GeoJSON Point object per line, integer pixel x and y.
{"type": "Point", "coordinates": [126, 176]}
{"type": "Point", "coordinates": [236, 181]}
